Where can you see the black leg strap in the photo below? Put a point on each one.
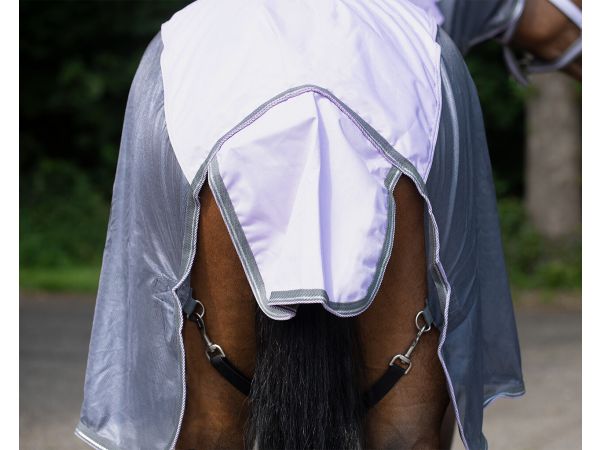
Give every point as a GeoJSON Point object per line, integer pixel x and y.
{"type": "Point", "coordinates": [243, 384]}
{"type": "Point", "coordinates": [228, 371]}
{"type": "Point", "coordinates": [384, 385]}
{"type": "Point", "coordinates": [400, 364]}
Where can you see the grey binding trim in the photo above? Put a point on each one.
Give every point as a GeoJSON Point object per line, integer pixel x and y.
{"type": "Point", "coordinates": [189, 305]}
{"type": "Point", "coordinates": [504, 28]}
{"type": "Point", "coordinates": [395, 158]}
{"type": "Point", "coordinates": [427, 315]}
{"type": "Point", "coordinates": [509, 57]}
{"type": "Point", "coordinates": [451, 104]}
{"type": "Point", "coordinates": [177, 311]}
{"type": "Point", "coordinates": [180, 290]}
{"type": "Point", "coordinates": [513, 22]}
{"type": "Point", "coordinates": [193, 206]}
{"type": "Point", "coordinates": [341, 309]}
{"type": "Point", "coordinates": [279, 305]}
{"type": "Point", "coordinates": [241, 243]}
{"type": "Point", "coordinates": [92, 439]}
{"type": "Point", "coordinates": [306, 294]}
{"type": "Point", "coordinates": [505, 394]}
{"type": "Point", "coordinates": [565, 59]}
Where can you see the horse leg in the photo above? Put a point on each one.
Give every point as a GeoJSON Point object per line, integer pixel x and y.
{"type": "Point", "coordinates": [410, 415]}
{"type": "Point", "coordinates": [215, 412]}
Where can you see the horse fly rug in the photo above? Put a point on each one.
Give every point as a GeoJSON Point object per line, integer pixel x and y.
{"type": "Point", "coordinates": [301, 117]}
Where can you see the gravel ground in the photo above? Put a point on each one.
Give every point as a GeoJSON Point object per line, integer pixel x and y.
{"type": "Point", "coordinates": [54, 335]}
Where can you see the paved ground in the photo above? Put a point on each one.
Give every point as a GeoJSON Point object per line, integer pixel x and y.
{"type": "Point", "coordinates": [548, 417]}
{"type": "Point", "coordinates": [54, 335]}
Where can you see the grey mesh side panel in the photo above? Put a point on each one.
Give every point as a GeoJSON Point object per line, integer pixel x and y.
{"type": "Point", "coordinates": [481, 350]}
{"type": "Point", "coordinates": [469, 22]}
{"type": "Point", "coordinates": [133, 390]}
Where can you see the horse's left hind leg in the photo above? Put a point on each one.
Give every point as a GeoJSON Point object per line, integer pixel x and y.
{"type": "Point", "coordinates": [215, 413]}
{"type": "Point", "coordinates": [410, 415]}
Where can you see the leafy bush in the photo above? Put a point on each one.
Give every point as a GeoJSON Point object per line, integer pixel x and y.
{"type": "Point", "coordinates": [503, 107]}
{"type": "Point", "coordinates": [81, 279]}
{"type": "Point", "coordinates": [74, 86]}
{"type": "Point", "coordinates": [532, 261]}
{"type": "Point", "coordinates": [63, 217]}
{"type": "Point", "coordinates": [77, 60]}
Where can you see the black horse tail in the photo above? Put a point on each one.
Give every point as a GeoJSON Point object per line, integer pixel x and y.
{"type": "Point", "coordinates": [307, 386]}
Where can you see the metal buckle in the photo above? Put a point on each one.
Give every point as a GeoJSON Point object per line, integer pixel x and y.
{"type": "Point", "coordinates": [214, 348]}
{"type": "Point", "coordinates": [404, 358]}
{"type": "Point", "coordinates": [198, 317]}
{"type": "Point", "coordinates": [426, 327]}
{"type": "Point", "coordinates": [191, 311]}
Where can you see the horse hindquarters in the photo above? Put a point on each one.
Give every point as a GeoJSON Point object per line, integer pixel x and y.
{"type": "Point", "coordinates": [215, 412]}
{"type": "Point", "coordinates": [312, 370]}
{"type": "Point", "coordinates": [410, 415]}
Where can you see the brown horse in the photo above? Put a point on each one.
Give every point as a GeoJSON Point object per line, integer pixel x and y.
{"type": "Point", "coordinates": [411, 415]}
{"type": "Point", "coordinates": [216, 412]}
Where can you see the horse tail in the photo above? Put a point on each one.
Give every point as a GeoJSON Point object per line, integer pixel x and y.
{"type": "Point", "coordinates": [307, 385]}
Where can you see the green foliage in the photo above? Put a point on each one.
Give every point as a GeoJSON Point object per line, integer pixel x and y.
{"type": "Point", "coordinates": [63, 217]}
{"type": "Point", "coordinates": [65, 279]}
{"type": "Point", "coordinates": [502, 103]}
{"type": "Point", "coordinates": [77, 60]}
{"type": "Point", "coordinates": [532, 261]}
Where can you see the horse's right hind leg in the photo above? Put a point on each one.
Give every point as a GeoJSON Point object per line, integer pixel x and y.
{"type": "Point", "coordinates": [410, 415]}
{"type": "Point", "coordinates": [215, 412]}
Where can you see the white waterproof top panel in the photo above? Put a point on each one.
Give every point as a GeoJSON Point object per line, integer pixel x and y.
{"type": "Point", "coordinates": [306, 197]}
{"type": "Point", "coordinates": [224, 58]}
{"type": "Point", "coordinates": [431, 7]}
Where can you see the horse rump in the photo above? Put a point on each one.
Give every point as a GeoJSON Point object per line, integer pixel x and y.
{"type": "Point", "coordinates": [306, 390]}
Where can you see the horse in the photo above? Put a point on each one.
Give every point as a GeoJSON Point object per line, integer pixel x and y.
{"type": "Point", "coordinates": [186, 353]}
{"type": "Point", "coordinates": [546, 34]}
{"type": "Point", "coordinates": [551, 32]}
{"type": "Point", "coordinates": [218, 413]}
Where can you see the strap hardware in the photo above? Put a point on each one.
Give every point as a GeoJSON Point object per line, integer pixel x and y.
{"type": "Point", "coordinates": [214, 352]}
{"type": "Point", "coordinates": [212, 349]}
{"type": "Point", "coordinates": [404, 358]}
{"type": "Point", "coordinates": [399, 365]}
